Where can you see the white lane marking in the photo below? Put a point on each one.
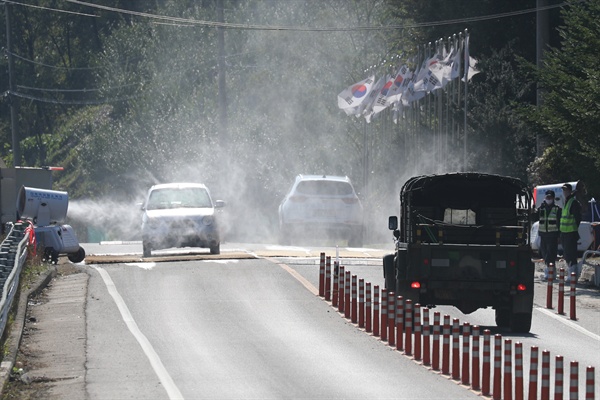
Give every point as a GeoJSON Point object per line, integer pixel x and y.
{"type": "Point", "coordinates": [296, 276]}
{"type": "Point", "coordinates": [569, 323]}
{"type": "Point", "coordinates": [288, 248]}
{"type": "Point", "coordinates": [160, 370]}
{"type": "Point", "coordinates": [221, 261]}
{"type": "Point", "coordinates": [143, 265]}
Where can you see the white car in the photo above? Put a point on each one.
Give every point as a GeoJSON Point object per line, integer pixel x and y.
{"type": "Point", "coordinates": [180, 215]}
{"type": "Point", "coordinates": [321, 206]}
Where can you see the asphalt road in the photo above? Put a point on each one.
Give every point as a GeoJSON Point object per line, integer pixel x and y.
{"type": "Point", "coordinates": [248, 324]}
{"type": "Point", "coordinates": [234, 329]}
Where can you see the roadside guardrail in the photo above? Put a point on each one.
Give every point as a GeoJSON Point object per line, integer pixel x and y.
{"type": "Point", "coordinates": [13, 253]}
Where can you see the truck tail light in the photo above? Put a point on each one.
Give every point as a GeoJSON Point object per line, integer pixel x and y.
{"type": "Point", "coordinates": [415, 285]}
{"type": "Point", "coordinates": [512, 263]}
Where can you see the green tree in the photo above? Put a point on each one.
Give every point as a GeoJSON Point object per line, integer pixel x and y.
{"type": "Point", "coordinates": [570, 113]}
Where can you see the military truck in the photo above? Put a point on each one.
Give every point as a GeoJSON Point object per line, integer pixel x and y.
{"type": "Point", "coordinates": [462, 239]}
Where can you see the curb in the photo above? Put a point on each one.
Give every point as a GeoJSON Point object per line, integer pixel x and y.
{"type": "Point", "coordinates": [13, 339]}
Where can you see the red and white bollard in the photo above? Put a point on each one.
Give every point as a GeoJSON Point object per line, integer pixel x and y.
{"type": "Point", "coordinates": [426, 337]}
{"type": "Point", "coordinates": [519, 371]}
{"type": "Point", "coordinates": [376, 310]}
{"type": "Point", "coordinates": [408, 327]}
{"type": "Point", "coordinates": [361, 303]}
{"type": "Point", "coordinates": [455, 349]}
{"type": "Point", "coordinates": [322, 275]}
{"type": "Point", "coordinates": [573, 315]}
{"type": "Point", "coordinates": [533, 373]}
{"type": "Point", "coordinates": [559, 378]}
{"type": "Point", "coordinates": [590, 391]}
{"type": "Point", "coordinates": [561, 291]}
{"type": "Point", "coordinates": [348, 293]}
{"type": "Point", "coordinates": [354, 316]}
{"type": "Point", "coordinates": [487, 360]}
{"type": "Point", "coordinates": [400, 323]}
{"type": "Point", "coordinates": [328, 278]}
{"type": "Point", "coordinates": [446, 346]}
{"type": "Point", "coordinates": [384, 310]}
{"type": "Point", "coordinates": [435, 353]}
{"type": "Point", "coordinates": [545, 390]}
{"type": "Point", "coordinates": [475, 359]}
{"type": "Point", "coordinates": [496, 394]}
{"type": "Point", "coordinates": [549, 287]}
{"type": "Point", "coordinates": [336, 284]}
{"type": "Point", "coordinates": [368, 311]}
{"type": "Point", "coordinates": [466, 335]}
{"type": "Point", "coordinates": [574, 381]}
{"type": "Point", "coordinates": [342, 289]}
{"type": "Point", "coordinates": [417, 331]}
{"type": "Point", "coordinates": [391, 315]}
{"type": "Point", "coordinates": [507, 369]}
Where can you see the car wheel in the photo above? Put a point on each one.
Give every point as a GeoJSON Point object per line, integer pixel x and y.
{"type": "Point", "coordinates": [215, 249]}
{"type": "Point", "coordinates": [147, 249]}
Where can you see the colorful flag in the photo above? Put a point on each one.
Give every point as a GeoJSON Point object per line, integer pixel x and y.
{"type": "Point", "coordinates": [395, 92]}
{"type": "Point", "coordinates": [381, 102]}
{"type": "Point", "coordinates": [472, 68]}
{"type": "Point", "coordinates": [356, 94]}
{"type": "Point", "coordinates": [367, 105]}
{"type": "Point", "coordinates": [453, 70]}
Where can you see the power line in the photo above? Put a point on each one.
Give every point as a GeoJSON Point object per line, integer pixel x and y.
{"type": "Point", "coordinates": [51, 66]}
{"type": "Point", "coordinates": [322, 29]}
{"type": "Point", "coordinates": [190, 22]}
{"type": "Point", "coordinates": [69, 102]}
{"type": "Point", "coordinates": [76, 90]}
{"type": "Point", "coordinates": [51, 9]}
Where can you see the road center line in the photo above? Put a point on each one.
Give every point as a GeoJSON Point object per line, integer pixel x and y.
{"type": "Point", "coordinates": [160, 370]}
{"type": "Point", "coordinates": [297, 276]}
{"type": "Point", "coordinates": [568, 323]}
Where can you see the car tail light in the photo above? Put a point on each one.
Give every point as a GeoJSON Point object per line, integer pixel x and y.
{"type": "Point", "coordinates": [512, 263]}
{"type": "Point", "coordinates": [415, 285]}
{"type": "Point", "coordinates": [521, 287]}
{"type": "Point", "coordinates": [426, 261]}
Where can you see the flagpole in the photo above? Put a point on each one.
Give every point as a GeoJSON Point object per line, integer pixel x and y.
{"type": "Point", "coordinates": [466, 68]}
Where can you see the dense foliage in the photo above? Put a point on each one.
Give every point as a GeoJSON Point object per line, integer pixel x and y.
{"type": "Point", "coordinates": [123, 100]}
{"type": "Point", "coordinates": [570, 112]}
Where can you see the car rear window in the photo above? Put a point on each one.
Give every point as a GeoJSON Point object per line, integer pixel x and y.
{"type": "Point", "coordinates": [325, 188]}
{"type": "Point", "coordinates": [175, 198]}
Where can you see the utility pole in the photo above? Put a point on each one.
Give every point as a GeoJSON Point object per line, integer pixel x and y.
{"type": "Point", "coordinates": [223, 129]}
{"type": "Point", "coordinates": [11, 90]}
{"type": "Point", "coordinates": [542, 40]}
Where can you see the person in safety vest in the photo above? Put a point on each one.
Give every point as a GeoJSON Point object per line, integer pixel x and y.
{"type": "Point", "coordinates": [549, 230]}
{"type": "Point", "coordinates": [569, 226]}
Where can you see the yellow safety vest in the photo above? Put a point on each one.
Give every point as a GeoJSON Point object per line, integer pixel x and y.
{"type": "Point", "coordinates": [548, 219]}
{"type": "Point", "coordinates": [567, 220]}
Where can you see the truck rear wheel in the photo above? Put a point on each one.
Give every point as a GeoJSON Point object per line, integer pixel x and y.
{"type": "Point", "coordinates": [520, 322]}
{"type": "Point", "coordinates": [503, 318]}
{"type": "Point", "coordinates": [389, 273]}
